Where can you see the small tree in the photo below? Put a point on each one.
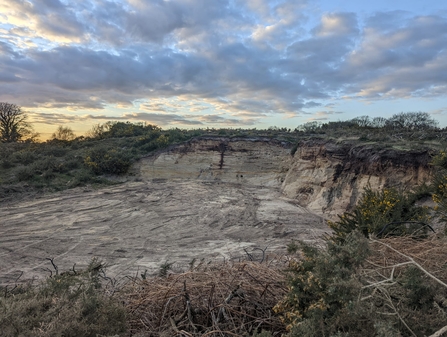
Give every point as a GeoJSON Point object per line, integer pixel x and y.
{"type": "Point", "coordinates": [63, 133]}
{"type": "Point", "coordinates": [14, 126]}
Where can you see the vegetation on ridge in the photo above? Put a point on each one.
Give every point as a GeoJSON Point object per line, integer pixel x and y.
{"type": "Point", "coordinates": [66, 161]}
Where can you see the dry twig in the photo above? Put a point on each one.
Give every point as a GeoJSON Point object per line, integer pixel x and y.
{"type": "Point", "coordinates": [231, 300]}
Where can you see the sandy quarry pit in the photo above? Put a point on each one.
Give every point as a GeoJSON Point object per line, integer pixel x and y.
{"type": "Point", "coordinates": [209, 198]}
{"type": "Point", "coordinates": [140, 225]}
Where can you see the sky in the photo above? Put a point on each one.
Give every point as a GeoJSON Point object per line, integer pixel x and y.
{"type": "Point", "coordinates": [221, 63]}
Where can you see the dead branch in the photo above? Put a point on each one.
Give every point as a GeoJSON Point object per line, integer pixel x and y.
{"type": "Point", "coordinates": [54, 266]}
{"type": "Point", "coordinates": [440, 332]}
{"type": "Point", "coordinates": [188, 306]}
{"type": "Point", "coordinates": [391, 278]}
{"type": "Point", "coordinates": [222, 313]}
{"type": "Point", "coordinates": [412, 261]}
{"type": "Point", "coordinates": [395, 311]}
{"type": "Point", "coordinates": [204, 300]}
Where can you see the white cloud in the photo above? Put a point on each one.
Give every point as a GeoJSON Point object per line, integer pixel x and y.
{"type": "Point", "coordinates": [333, 24]}
{"type": "Point", "coordinates": [238, 58]}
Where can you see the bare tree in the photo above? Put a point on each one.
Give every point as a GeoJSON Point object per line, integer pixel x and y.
{"type": "Point", "coordinates": [362, 121]}
{"type": "Point", "coordinates": [309, 126]}
{"type": "Point", "coordinates": [63, 133]}
{"type": "Point", "coordinates": [378, 122]}
{"type": "Point", "coordinates": [412, 121]}
{"type": "Point", "coordinates": [14, 126]}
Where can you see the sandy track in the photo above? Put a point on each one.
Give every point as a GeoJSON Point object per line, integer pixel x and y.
{"type": "Point", "coordinates": [140, 225]}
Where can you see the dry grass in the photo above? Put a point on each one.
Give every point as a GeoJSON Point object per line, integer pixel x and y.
{"type": "Point", "coordinates": [231, 299]}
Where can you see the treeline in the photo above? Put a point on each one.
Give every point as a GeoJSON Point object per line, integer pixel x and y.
{"type": "Point", "coordinates": [404, 121]}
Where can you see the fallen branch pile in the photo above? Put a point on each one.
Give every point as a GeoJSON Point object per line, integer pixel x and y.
{"type": "Point", "coordinates": [392, 255]}
{"type": "Point", "coordinates": [222, 300]}
{"type": "Point", "coordinates": [418, 302]}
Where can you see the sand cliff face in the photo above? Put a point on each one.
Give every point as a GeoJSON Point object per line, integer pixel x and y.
{"type": "Point", "coordinates": [325, 177]}
{"type": "Point", "coordinates": [257, 161]}
{"type": "Point", "coordinates": [328, 178]}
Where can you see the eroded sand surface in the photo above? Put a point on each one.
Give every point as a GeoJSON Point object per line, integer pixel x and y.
{"type": "Point", "coordinates": [140, 225]}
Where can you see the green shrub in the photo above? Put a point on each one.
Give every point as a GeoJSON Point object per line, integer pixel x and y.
{"type": "Point", "coordinates": [108, 161]}
{"type": "Point", "coordinates": [45, 164]}
{"type": "Point", "coordinates": [48, 175]}
{"type": "Point", "coordinates": [358, 288]}
{"type": "Point", "coordinates": [143, 140]}
{"type": "Point", "coordinates": [440, 160]}
{"type": "Point", "coordinates": [419, 294]}
{"type": "Point", "coordinates": [120, 129]}
{"type": "Point", "coordinates": [24, 157]}
{"type": "Point", "coordinates": [82, 177]}
{"type": "Point", "coordinates": [73, 163]}
{"type": "Point", "coordinates": [55, 149]}
{"type": "Point", "coordinates": [24, 173]}
{"type": "Point", "coordinates": [7, 163]}
{"type": "Point", "coordinates": [49, 164]}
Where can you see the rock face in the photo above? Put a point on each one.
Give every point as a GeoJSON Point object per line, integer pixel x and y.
{"type": "Point", "coordinates": [325, 177]}
{"type": "Point", "coordinates": [328, 178]}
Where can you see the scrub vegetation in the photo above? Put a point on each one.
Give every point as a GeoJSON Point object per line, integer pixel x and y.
{"type": "Point", "coordinates": [381, 272]}
{"type": "Point", "coordinates": [73, 303]}
{"type": "Point", "coordinates": [109, 149]}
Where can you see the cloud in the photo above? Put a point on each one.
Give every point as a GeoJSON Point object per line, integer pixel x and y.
{"type": "Point", "coordinates": [324, 115]}
{"type": "Point", "coordinates": [441, 111]}
{"type": "Point", "coordinates": [162, 119]}
{"type": "Point", "coordinates": [227, 61]}
{"type": "Point", "coordinates": [337, 24]}
{"type": "Point", "coordinates": [56, 118]}
{"type": "Point", "coordinates": [403, 62]}
{"type": "Point", "coordinates": [219, 120]}
{"type": "Point", "coordinates": [48, 18]}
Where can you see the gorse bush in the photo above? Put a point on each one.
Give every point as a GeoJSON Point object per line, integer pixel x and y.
{"type": "Point", "coordinates": [6, 163]}
{"type": "Point", "coordinates": [360, 287]}
{"type": "Point", "coordinates": [385, 212]}
{"type": "Point", "coordinates": [108, 161]}
{"type": "Point", "coordinates": [440, 160]}
{"type": "Point", "coordinates": [323, 289]}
